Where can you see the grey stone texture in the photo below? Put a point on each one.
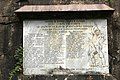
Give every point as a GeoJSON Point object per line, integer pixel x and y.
{"type": "Point", "coordinates": [11, 38]}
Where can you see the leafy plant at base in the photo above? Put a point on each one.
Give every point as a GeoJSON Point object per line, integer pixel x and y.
{"type": "Point", "coordinates": [19, 62]}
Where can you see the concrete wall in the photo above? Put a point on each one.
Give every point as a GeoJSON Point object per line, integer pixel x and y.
{"type": "Point", "coordinates": [11, 36]}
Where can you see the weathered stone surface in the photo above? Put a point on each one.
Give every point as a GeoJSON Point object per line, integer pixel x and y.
{"type": "Point", "coordinates": [78, 45]}
{"type": "Point", "coordinates": [14, 36]}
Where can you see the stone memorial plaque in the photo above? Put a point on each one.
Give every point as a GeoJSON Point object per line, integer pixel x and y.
{"type": "Point", "coordinates": [78, 46]}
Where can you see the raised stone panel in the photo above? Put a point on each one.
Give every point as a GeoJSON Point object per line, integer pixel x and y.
{"type": "Point", "coordinates": [77, 46]}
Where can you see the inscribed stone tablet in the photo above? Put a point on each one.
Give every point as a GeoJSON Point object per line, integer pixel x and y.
{"type": "Point", "coordinates": [78, 46]}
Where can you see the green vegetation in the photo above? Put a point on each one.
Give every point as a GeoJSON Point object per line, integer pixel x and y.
{"type": "Point", "coordinates": [19, 63]}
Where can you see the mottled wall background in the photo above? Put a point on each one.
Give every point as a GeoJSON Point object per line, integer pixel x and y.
{"type": "Point", "coordinates": [11, 34]}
